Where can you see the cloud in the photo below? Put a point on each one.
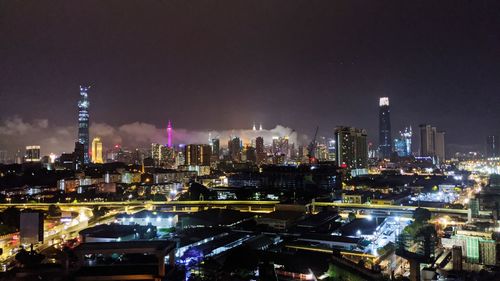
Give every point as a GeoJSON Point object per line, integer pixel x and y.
{"type": "Point", "coordinates": [16, 133]}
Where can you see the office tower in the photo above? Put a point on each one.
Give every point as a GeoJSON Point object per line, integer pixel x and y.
{"type": "Point", "coordinates": [427, 146]}
{"type": "Point", "coordinates": [402, 145]}
{"type": "Point", "coordinates": [439, 146]}
{"type": "Point", "coordinates": [162, 155]}
{"type": "Point", "coordinates": [250, 154]}
{"type": "Point", "coordinates": [456, 256]}
{"type": "Point", "coordinates": [432, 143]}
{"type": "Point", "coordinates": [197, 154]}
{"type": "Point", "coordinates": [169, 134]}
{"type": "Point", "coordinates": [351, 148]}
{"type": "Point", "coordinates": [385, 138]}
{"type": "Point", "coordinates": [83, 122]}
{"type": "Point", "coordinates": [32, 153]}
{"type": "Point", "coordinates": [406, 135]}
{"type": "Point", "coordinates": [97, 151]}
{"type": "Point", "coordinates": [260, 150]}
{"type": "Point", "coordinates": [492, 149]}
{"type": "Point", "coordinates": [215, 148]}
{"type": "Point", "coordinates": [234, 146]}
{"type": "Point", "coordinates": [280, 146]}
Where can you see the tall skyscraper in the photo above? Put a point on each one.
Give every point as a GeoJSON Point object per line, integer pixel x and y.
{"type": "Point", "coordinates": [197, 154]}
{"type": "Point", "coordinates": [352, 149]}
{"type": "Point", "coordinates": [260, 150]}
{"type": "Point", "coordinates": [83, 122]}
{"type": "Point", "coordinates": [169, 134]}
{"type": "Point", "coordinates": [234, 146]}
{"type": "Point", "coordinates": [97, 151]}
{"type": "Point", "coordinates": [215, 148]}
{"type": "Point", "coordinates": [385, 138]}
{"type": "Point", "coordinates": [432, 143]}
{"type": "Point", "coordinates": [492, 148]}
{"type": "Point", "coordinates": [32, 153]}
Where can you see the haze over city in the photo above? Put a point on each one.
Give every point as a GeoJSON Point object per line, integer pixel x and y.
{"type": "Point", "coordinates": [222, 67]}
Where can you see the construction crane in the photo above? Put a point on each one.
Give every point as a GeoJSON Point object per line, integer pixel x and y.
{"type": "Point", "coordinates": [311, 149]}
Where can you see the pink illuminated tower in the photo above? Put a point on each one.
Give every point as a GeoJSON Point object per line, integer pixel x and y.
{"type": "Point", "coordinates": [169, 134]}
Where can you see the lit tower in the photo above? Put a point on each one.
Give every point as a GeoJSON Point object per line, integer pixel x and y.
{"type": "Point", "coordinates": [406, 136]}
{"type": "Point", "coordinates": [83, 122]}
{"type": "Point", "coordinates": [385, 139]}
{"type": "Point", "coordinates": [169, 134]}
{"type": "Point", "coordinates": [97, 151]}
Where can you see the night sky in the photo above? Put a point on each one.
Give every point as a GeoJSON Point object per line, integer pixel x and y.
{"type": "Point", "coordinates": [224, 64]}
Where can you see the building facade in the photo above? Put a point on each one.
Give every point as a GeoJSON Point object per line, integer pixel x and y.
{"type": "Point", "coordinates": [352, 149]}
{"type": "Point", "coordinates": [83, 122]}
{"type": "Point", "coordinates": [97, 151]}
{"type": "Point", "coordinates": [385, 134]}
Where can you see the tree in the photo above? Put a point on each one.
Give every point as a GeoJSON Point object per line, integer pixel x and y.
{"type": "Point", "coordinates": [54, 211]}
{"type": "Point", "coordinates": [422, 215]}
{"type": "Point", "coordinates": [351, 216]}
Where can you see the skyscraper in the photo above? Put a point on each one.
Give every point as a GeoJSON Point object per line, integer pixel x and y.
{"type": "Point", "coordinates": [97, 151]}
{"type": "Point", "coordinates": [402, 145]}
{"type": "Point", "coordinates": [83, 122]}
{"type": "Point", "coordinates": [169, 134]}
{"type": "Point", "coordinates": [432, 143]}
{"type": "Point", "coordinates": [32, 153]}
{"type": "Point", "coordinates": [352, 149]}
{"type": "Point", "coordinates": [492, 148]}
{"type": "Point", "coordinates": [234, 146]}
{"type": "Point", "coordinates": [260, 150]}
{"type": "Point", "coordinates": [197, 154]}
{"type": "Point", "coordinates": [385, 138]}
{"type": "Point", "coordinates": [215, 149]}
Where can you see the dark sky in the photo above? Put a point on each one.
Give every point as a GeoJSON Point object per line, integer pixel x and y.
{"type": "Point", "coordinates": [224, 64]}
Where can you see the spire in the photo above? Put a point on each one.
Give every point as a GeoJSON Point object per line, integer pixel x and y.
{"type": "Point", "coordinates": [169, 134]}
{"type": "Point", "coordinates": [260, 127]}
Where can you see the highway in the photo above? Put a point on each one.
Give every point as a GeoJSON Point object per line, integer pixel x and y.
{"type": "Point", "coordinates": [251, 206]}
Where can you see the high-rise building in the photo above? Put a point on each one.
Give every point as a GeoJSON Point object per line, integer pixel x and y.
{"type": "Point", "coordinates": [83, 122]}
{"type": "Point", "coordinates": [385, 138]}
{"type": "Point", "coordinates": [402, 145]}
{"type": "Point", "coordinates": [427, 147]}
{"type": "Point", "coordinates": [352, 149]}
{"type": "Point", "coordinates": [97, 151]}
{"type": "Point", "coordinates": [432, 143]}
{"type": "Point", "coordinates": [197, 154]}
{"type": "Point", "coordinates": [492, 148]}
{"type": "Point", "coordinates": [215, 148]}
{"type": "Point", "coordinates": [260, 150]}
{"type": "Point", "coordinates": [234, 146]}
{"type": "Point", "coordinates": [169, 134]}
{"type": "Point", "coordinates": [439, 146]}
{"type": "Point", "coordinates": [32, 153]}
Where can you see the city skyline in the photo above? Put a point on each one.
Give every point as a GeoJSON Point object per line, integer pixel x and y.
{"type": "Point", "coordinates": [289, 79]}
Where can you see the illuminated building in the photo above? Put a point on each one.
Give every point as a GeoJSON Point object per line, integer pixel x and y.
{"type": "Point", "coordinates": [97, 151]}
{"type": "Point", "coordinates": [215, 148]}
{"type": "Point", "coordinates": [83, 122]}
{"type": "Point", "coordinates": [250, 154]}
{"type": "Point", "coordinates": [402, 145]}
{"type": "Point", "coordinates": [352, 149]}
{"type": "Point", "coordinates": [385, 138]}
{"type": "Point", "coordinates": [197, 154]}
{"type": "Point", "coordinates": [432, 143]}
{"type": "Point", "coordinates": [280, 147]}
{"type": "Point", "coordinates": [162, 155]}
{"type": "Point", "coordinates": [260, 150]}
{"type": "Point", "coordinates": [234, 146]}
{"type": "Point", "coordinates": [169, 134]}
{"type": "Point", "coordinates": [492, 148]}
{"type": "Point", "coordinates": [32, 153]}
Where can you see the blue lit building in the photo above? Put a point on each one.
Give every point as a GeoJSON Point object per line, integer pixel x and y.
{"type": "Point", "coordinates": [402, 145]}
{"type": "Point", "coordinates": [83, 123]}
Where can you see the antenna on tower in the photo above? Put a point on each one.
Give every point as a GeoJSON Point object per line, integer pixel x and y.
{"type": "Point", "coordinates": [253, 128]}
{"type": "Point", "coordinates": [260, 127]}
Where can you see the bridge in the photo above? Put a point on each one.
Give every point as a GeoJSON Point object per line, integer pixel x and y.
{"type": "Point", "coordinates": [245, 205]}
